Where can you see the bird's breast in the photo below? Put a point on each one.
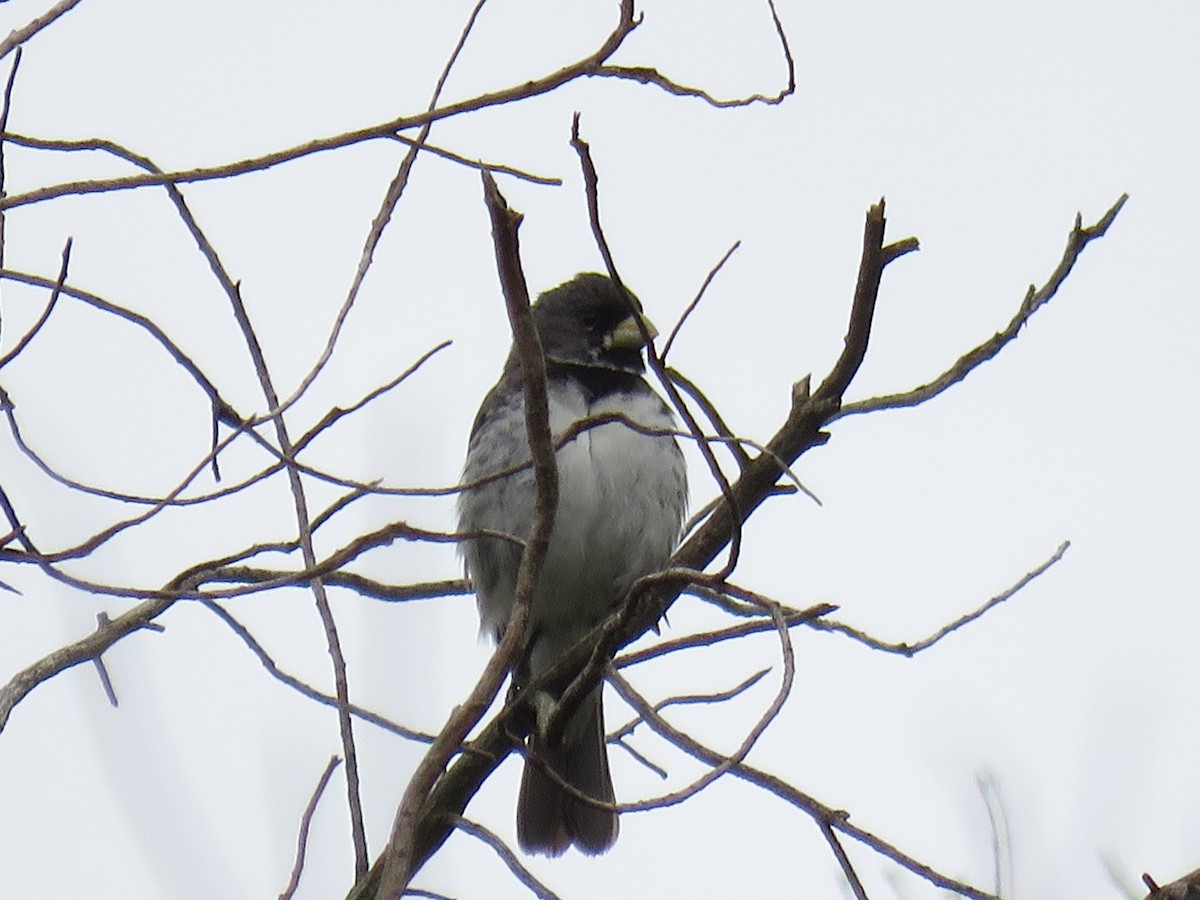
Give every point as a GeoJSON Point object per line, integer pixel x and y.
{"type": "Point", "coordinates": [621, 497]}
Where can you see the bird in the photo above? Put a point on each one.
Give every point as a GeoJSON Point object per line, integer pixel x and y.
{"type": "Point", "coordinates": [622, 499]}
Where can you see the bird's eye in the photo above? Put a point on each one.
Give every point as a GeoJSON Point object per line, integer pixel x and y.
{"type": "Point", "coordinates": [590, 322]}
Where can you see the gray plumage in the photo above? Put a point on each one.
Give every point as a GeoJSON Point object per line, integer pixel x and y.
{"type": "Point", "coordinates": [622, 497]}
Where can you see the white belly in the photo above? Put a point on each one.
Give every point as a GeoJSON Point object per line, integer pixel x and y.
{"type": "Point", "coordinates": [622, 495]}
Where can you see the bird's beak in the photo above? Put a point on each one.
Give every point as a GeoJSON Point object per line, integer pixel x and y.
{"type": "Point", "coordinates": [627, 335]}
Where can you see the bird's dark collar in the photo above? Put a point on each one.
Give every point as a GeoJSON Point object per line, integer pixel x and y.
{"type": "Point", "coordinates": [597, 382]}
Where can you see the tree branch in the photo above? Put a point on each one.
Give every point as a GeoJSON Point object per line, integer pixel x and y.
{"type": "Point", "coordinates": [1035, 299]}
{"type": "Point", "coordinates": [422, 822]}
{"type": "Point", "coordinates": [18, 36]}
{"type": "Point", "coordinates": [384, 130]}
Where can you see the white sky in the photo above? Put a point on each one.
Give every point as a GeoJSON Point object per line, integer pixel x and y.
{"type": "Point", "coordinates": [987, 126]}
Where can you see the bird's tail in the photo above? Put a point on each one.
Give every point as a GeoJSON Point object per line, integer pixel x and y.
{"type": "Point", "coordinates": [549, 819]}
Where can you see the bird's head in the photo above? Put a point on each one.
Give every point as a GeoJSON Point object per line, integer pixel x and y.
{"type": "Point", "coordinates": [588, 321]}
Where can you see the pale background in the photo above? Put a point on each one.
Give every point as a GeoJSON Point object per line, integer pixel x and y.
{"type": "Point", "coordinates": [987, 126]}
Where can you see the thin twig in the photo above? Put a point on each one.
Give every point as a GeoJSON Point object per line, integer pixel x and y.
{"type": "Point", "coordinates": [184, 586]}
{"type": "Point", "coordinates": [839, 853]}
{"type": "Point", "coordinates": [80, 651]}
{"type": "Point", "coordinates": [650, 75]}
{"type": "Point", "coordinates": [807, 804]}
{"type": "Point", "coordinates": [726, 763]}
{"type": "Point", "coordinates": [303, 520]}
{"type": "Point", "coordinates": [800, 432]}
{"type": "Point", "coordinates": [90, 544]}
{"type": "Point", "coordinates": [19, 36]}
{"type": "Point", "coordinates": [71, 145]}
{"type": "Point", "coordinates": [305, 689]}
{"type": "Point", "coordinates": [691, 307]}
{"type": "Point", "coordinates": [641, 758]}
{"type": "Point", "coordinates": [173, 498]}
{"type": "Point", "coordinates": [55, 293]}
{"type": "Point", "coordinates": [225, 412]}
{"type": "Point", "coordinates": [507, 856]}
{"type": "Point", "coordinates": [386, 210]}
{"type": "Point", "coordinates": [905, 648]}
{"type": "Point", "coordinates": [8, 89]}
{"type": "Point", "coordinates": [331, 417]}
{"type": "Point", "coordinates": [258, 580]}
{"type": "Point", "coordinates": [712, 414]}
{"type": "Point", "coordinates": [862, 310]}
{"type": "Point", "coordinates": [688, 700]}
{"type": "Point", "coordinates": [793, 619]}
{"type": "Point", "coordinates": [305, 823]}
{"type": "Point", "coordinates": [103, 621]}
{"type": "Point", "coordinates": [597, 662]}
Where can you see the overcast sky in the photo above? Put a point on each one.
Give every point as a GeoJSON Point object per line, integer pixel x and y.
{"type": "Point", "coordinates": [986, 126]}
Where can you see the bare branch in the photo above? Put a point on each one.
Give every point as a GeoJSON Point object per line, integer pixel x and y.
{"type": "Point", "coordinates": [308, 690]}
{"type": "Point", "coordinates": [223, 410]}
{"type": "Point", "coordinates": [305, 823]}
{"type": "Point", "coordinates": [55, 293]}
{"type": "Point", "coordinates": [506, 854]}
{"type": "Point", "coordinates": [792, 618]}
{"type": "Point", "coordinates": [173, 498]}
{"type": "Point", "coordinates": [387, 208]}
{"type": "Point", "coordinates": [819, 812]}
{"type": "Point", "coordinates": [303, 522]}
{"type": "Point", "coordinates": [839, 853]}
{"type": "Point", "coordinates": [103, 621]}
{"type": "Point", "coordinates": [419, 826]}
{"type": "Point", "coordinates": [1034, 300]}
{"type": "Point", "coordinates": [691, 307]}
{"type": "Point", "coordinates": [8, 89]}
{"type": "Point", "coordinates": [336, 413]}
{"type": "Point", "coordinates": [773, 709]}
{"type": "Point", "coordinates": [862, 311]}
{"type": "Point", "coordinates": [70, 145]}
{"type": "Point", "coordinates": [626, 730]}
{"type": "Point", "coordinates": [906, 649]}
{"type": "Point", "coordinates": [598, 662]}
{"type": "Point", "coordinates": [18, 36]}
{"type": "Point", "coordinates": [384, 130]}
{"type": "Point", "coordinates": [83, 650]}
{"type": "Point", "coordinates": [710, 412]}
{"type": "Point", "coordinates": [650, 75]}
{"type": "Point", "coordinates": [453, 768]}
